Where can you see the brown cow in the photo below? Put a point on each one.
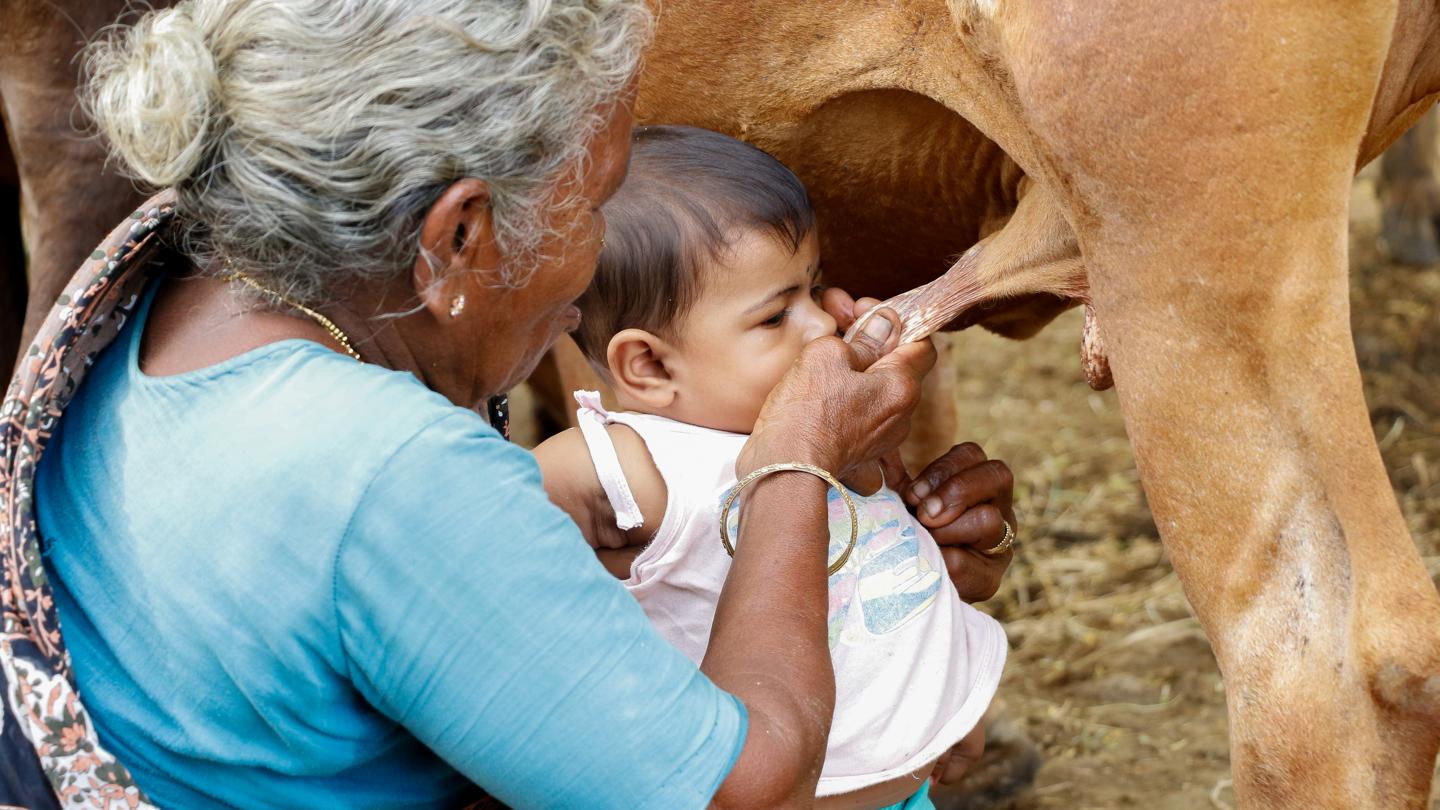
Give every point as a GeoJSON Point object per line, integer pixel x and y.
{"type": "Point", "coordinates": [12, 255]}
{"type": "Point", "coordinates": [1185, 168]}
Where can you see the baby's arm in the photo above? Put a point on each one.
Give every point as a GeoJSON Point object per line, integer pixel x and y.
{"type": "Point", "coordinates": [573, 485]}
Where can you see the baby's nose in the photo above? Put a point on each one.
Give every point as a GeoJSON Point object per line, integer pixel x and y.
{"type": "Point", "coordinates": [822, 325]}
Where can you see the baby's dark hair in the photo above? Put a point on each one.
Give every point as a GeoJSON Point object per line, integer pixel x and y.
{"type": "Point", "coordinates": [688, 193]}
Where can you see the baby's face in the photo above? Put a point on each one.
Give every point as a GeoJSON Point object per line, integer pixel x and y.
{"type": "Point", "coordinates": [755, 314]}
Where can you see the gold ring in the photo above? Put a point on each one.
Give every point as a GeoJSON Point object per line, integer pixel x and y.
{"type": "Point", "coordinates": [1005, 542]}
{"type": "Point", "coordinates": [799, 467]}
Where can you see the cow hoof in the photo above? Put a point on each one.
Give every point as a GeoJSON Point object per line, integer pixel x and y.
{"type": "Point", "coordinates": [1004, 773]}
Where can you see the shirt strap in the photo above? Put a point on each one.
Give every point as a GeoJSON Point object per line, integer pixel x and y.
{"type": "Point", "coordinates": [593, 418]}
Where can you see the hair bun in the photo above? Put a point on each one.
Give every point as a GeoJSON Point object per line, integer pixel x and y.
{"type": "Point", "coordinates": [152, 90]}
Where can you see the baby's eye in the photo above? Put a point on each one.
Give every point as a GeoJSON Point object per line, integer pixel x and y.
{"type": "Point", "coordinates": [776, 319]}
{"type": "Point", "coordinates": [816, 290]}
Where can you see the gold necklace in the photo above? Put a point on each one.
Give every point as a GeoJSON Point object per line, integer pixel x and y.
{"type": "Point", "coordinates": [326, 323]}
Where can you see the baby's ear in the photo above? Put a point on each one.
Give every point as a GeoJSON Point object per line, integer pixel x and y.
{"type": "Point", "coordinates": [638, 366]}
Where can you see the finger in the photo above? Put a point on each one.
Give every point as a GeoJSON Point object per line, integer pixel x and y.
{"type": "Point", "coordinates": [962, 757]}
{"type": "Point", "coordinates": [876, 338]}
{"type": "Point", "coordinates": [913, 360]}
{"type": "Point", "coordinates": [976, 576]}
{"type": "Point", "coordinates": [987, 482]}
{"type": "Point", "coordinates": [840, 305]}
{"type": "Point", "coordinates": [897, 477]}
{"type": "Point", "coordinates": [957, 459]}
{"type": "Point", "coordinates": [942, 766]}
{"type": "Point", "coordinates": [1008, 512]}
{"type": "Point", "coordinates": [1006, 499]}
{"type": "Point", "coordinates": [865, 304]}
{"type": "Point", "coordinates": [981, 527]}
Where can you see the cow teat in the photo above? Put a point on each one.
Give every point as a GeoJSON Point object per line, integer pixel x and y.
{"type": "Point", "coordinates": [929, 308]}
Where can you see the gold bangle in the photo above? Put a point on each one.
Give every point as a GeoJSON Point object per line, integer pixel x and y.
{"type": "Point", "coordinates": [799, 467]}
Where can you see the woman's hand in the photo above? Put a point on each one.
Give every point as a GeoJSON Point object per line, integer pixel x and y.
{"type": "Point", "coordinates": [961, 497]}
{"type": "Point", "coordinates": [965, 500]}
{"type": "Point", "coordinates": [842, 406]}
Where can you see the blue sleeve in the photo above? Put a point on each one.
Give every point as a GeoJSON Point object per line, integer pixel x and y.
{"type": "Point", "coordinates": [473, 613]}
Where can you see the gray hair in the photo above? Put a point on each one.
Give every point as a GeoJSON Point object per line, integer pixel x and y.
{"type": "Point", "coordinates": [306, 139]}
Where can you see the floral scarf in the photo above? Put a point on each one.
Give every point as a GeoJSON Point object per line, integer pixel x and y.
{"type": "Point", "coordinates": [49, 754]}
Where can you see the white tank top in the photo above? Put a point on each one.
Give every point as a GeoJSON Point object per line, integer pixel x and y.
{"type": "Point", "coordinates": [915, 667]}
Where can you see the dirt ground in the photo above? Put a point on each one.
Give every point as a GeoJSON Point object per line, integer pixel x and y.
{"type": "Point", "coordinates": [1109, 672]}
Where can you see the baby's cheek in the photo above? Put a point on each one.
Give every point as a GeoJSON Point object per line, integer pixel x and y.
{"type": "Point", "coordinates": [769, 375]}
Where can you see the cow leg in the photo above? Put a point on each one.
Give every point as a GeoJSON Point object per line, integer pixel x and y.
{"type": "Point", "coordinates": [12, 257]}
{"type": "Point", "coordinates": [1209, 197]}
{"type": "Point", "coordinates": [69, 197]}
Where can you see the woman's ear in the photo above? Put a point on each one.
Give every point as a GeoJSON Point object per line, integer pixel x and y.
{"type": "Point", "coordinates": [457, 235]}
{"type": "Point", "coordinates": [639, 368]}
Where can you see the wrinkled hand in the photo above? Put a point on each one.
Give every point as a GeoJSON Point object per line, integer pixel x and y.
{"type": "Point", "coordinates": [842, 406]}
{"type": "Point", "coordinates": [846, 310]}
{"type": "Point", "coordinates": [962, 497]}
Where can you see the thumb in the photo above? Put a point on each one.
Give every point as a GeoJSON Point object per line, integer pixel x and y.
{"type": "Point", "coordinates": [840, 305]}
{"type": "Point", "coordinates": [893, 467]}
{"type": "Point", "coordinates": [879, 334]}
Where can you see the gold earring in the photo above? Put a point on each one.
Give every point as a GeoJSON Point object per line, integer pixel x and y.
{"type": "Point", "coordinates": [457, 306]}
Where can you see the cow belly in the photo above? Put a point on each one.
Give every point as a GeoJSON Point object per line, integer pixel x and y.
{"type": "Point", "coordinates": [900, 184]}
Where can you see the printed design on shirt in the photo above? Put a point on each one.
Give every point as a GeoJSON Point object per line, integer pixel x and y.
{"type": "Point", "coordinates": [886, 582]}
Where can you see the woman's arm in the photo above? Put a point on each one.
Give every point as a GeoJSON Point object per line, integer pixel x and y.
{"type": "Point", "coordinates": [840, 408]}
{"type": "Point", "coordinates": [960, 497]}
{"type": "Point", "coordinates": [471, 612]}
{"type": "Point", "coordinates": [770, 651]}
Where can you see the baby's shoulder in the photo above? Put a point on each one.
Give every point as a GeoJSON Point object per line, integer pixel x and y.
{"type": "Point", "coordinates": [573, 483]}
{"type": "Point", "coordinates": [643, 475]}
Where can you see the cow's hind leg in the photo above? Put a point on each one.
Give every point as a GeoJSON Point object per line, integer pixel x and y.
{"type": "Point", "coordinates": [70, 197]}
{"type": "Point", "coordinates": [12, 257]}
{"type": "Point", "coordinates": [1205, 163]}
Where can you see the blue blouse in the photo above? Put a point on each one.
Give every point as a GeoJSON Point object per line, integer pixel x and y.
{"type": "Point", "coordinates": [294, 580]}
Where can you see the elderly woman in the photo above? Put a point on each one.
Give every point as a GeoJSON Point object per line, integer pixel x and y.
{"type": "Point", "coordinates": [293, 564]}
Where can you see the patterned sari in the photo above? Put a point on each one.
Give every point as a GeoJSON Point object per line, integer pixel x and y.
{"type": "Point", "coordinates": [50, 756]}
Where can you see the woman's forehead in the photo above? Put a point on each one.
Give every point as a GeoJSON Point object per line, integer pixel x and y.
{"type": "Point", "coordinates": [610, 151]}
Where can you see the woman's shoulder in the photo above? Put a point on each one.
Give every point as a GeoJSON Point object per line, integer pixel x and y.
{"type": "Point", "coordinates": [317, 396]}
{"type": "Point", "coordinates": [298, 412]}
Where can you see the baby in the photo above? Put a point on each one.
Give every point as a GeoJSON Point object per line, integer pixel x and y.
{"type": "Point", "coordinates": [705, 295]}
